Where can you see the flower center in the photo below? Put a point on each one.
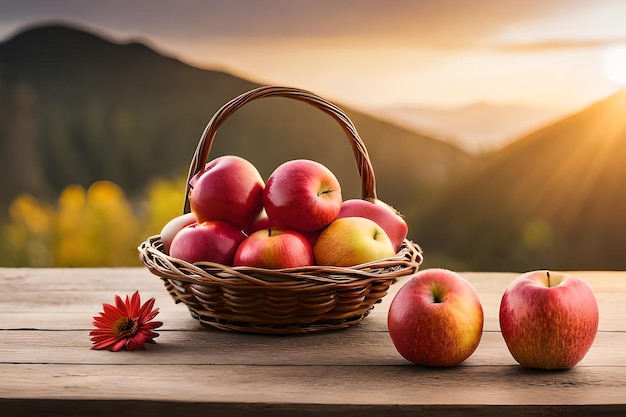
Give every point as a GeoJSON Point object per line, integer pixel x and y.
{"type": "Point", "coordinates": [125, 327]}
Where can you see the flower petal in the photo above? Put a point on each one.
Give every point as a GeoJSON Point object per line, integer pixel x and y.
{"type": "Point", "coordinates": [105, 343]}
{"type": "Point", "coordinates": [146, 313]}
{"type": "Point", "coordinates": [135, 304]}
{"type": "Point", "coordinates": [152, 325]}
{"type": "Point", "coordinates": [121, 305]}
{"type": "Point", "coordinates": [119, 345]}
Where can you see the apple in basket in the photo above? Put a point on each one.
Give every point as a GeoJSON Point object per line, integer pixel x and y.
{"type": "Point", "coordinates": [260, 223]}
{"type": "Point", "coordinates": [274, 249]}
{"type": "Point", "coordinates": [436, 319]}
{"type": "Point", "coordinates": [211, 241]}
{"type": "Point", "coordinates": [229, 189]}
{"type": "Point", "coordinates": [386, 216]}
{"type": "Point", "coordinates": [352, 241]}
{"type": "Point", "coordinates": [174, 226]}
{"type": "Point", "coordinates": [263, 222]}
{"type": "Point", "coordinates": [548, 320]}
{"type": "Point", "coordinates": [302, 195]}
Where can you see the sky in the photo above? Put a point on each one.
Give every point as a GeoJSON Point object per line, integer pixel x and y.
{"type": "Point", "coordinates": [372, 54]}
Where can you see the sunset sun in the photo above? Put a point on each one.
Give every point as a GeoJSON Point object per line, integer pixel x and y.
{"type": "Point", "coordinates": [615, 64]}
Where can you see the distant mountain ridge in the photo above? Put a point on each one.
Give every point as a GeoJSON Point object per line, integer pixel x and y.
{"type": "Point", "coordinates": [478, 127]}
{"type": "Point", "coordinates": [553, 199]}
{"type": "Point", "coordinates": [76, 108]}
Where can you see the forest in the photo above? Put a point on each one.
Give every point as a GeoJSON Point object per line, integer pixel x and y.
{"type": "Point", "coordinates": [96, 139]}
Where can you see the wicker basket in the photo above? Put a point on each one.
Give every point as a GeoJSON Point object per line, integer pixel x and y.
{"type": "Point", "coordinates": [295, 300]}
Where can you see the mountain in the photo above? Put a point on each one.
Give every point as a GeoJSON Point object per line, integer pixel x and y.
{"type": "Point", "coordinates": [478, 128]}
{"type": "Point", "coordinates": [76, 108]}
{"type": "Point", "coordinates": [554, 199]}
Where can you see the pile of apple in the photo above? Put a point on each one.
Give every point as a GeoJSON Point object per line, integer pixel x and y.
{"type": "Point", "coordinates": [297, 218]}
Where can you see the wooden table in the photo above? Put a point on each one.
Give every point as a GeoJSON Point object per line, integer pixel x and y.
{"type": "Point", "coordinates": [47, 367]}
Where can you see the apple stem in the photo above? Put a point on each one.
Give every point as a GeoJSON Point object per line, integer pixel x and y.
{"type": "Point", "coordinates": [436, 293]}
{"type": "Point", "coordinates": [548, 274]}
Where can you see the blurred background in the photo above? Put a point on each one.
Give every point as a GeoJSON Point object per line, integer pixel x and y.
{"type": "Point", "coordinates": [498, 128]}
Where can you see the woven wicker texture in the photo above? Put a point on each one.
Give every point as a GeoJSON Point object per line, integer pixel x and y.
{"type": "Point", "coordinates": [295, 300]}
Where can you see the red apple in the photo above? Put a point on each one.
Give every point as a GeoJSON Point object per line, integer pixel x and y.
{"type": "Point", "coordinates": [436, 319]}
{"type": "Point", "coordinates": [211, 241]}
{"type": "Point", "coordinates": [229, 189]}
{"type": "Point", "coordinates": [352, 241]}
{"type": "Point", "coordinates": [302, 195]}
{"type": "Point", "coordinates": [386, 216]}
{"type": "Point", "coordinates": [274, 249]}
{"type": "Point", "coordinates": [312, 236]}
{"type": "Point", "coordinates": [262, 222]}
{"type": "Point", "coordinates": [172, 227]}
{"type": "Point", "coordinates": [549, 320]}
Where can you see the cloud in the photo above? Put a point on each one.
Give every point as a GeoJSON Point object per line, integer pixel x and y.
{"type": "Point", "coordinates": [437, 23]}
{"type": "Point", "coordinates": [559, 44]}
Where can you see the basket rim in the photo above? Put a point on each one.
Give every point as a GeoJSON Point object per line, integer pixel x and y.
{"type": "Point", "coordinates": [406, 261]}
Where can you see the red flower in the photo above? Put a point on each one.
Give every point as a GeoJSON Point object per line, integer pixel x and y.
{"type": "Point", "coordinates": [126, 325]}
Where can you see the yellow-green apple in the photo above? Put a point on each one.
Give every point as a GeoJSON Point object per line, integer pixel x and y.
{"type": "Point", "coordinates": [172, 227]}
{"type": "Point", "coordinates": [274, 249]}
{"type": "Point", "coordinates": [352, 241]}
{"type": "Point", "coordinates": [302, 195]}
{"type": "Point", "coordinates": [228, 188]}
{"type": "Point", "coordinates": [211, 241]}
{"type": "Point", "coordinates": [548, 320]}
{"type": "Point", "coordinates": [436, 318]}
{"type": "Point", "coordinates": [382, 213]}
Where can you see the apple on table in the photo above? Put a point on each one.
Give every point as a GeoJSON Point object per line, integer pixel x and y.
{"type": "Point", "coordinates": [436, 318]}
{"type": "Point", "coordinates": [549, 320]}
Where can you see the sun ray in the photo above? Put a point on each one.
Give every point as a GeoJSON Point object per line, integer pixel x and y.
{"type": "Point", "coordinates": [582, 166]}
{"type": "Point", "coordinates": [614, 60]}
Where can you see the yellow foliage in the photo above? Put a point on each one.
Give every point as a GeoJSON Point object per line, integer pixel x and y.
{"type": "Point", "coordinates": [164, 201]}
{"type": "Point", "coordinates": [100, 232]}
{"type": "Point", "coordinates": [27, 239]}
{"type": "Point", "coordinates": [27, 211]}
{"type": "Point", "coordinates": [93, 227]}
{"type": "Point", "coordinates": [72, 197]}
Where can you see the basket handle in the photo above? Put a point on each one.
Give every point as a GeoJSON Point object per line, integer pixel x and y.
{"type": "Point", "coordinates": [364, 165]}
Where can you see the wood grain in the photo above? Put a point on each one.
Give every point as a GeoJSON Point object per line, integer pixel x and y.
{"type": "Point", "coordinates": [48, 368]}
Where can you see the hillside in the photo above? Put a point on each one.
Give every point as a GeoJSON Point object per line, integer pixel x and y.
{"type": "Point", "coordinates": [554, 199]}
{"type": "Point", "coordinates": [478, 128]}
{"type": "Point", "coordinates": [75, 108]}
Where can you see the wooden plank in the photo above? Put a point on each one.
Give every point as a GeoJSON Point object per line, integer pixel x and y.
{"type": "Point", "coordinates": [346, 347]}
{"type": "Point", "coordinates": [32, 297]}
{"type": "Point", "coordinates": [286, 384]}
{"type": "Point", "coordinates": [77, 279]}
{"type": "Point", "coordinates": [155, 408]}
